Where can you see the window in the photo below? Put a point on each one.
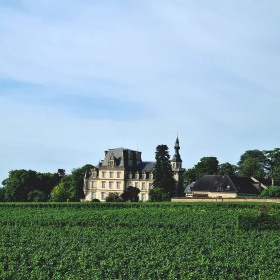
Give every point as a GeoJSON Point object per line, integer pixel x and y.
{"type": "Point", "coordinates": [103, 195]}
{"type": "Point", "coordinates": [129, 184]}
{"type": "Point", "coordinates": [143, 197]}
{"type": "Point", "coordinates": [143, 186]}
{"type": "Point", "coordinates": [136, 185]}
{"type": "Point", "coordinates": [151, 176]}
{"type": "Point", "coordinates": [130, 176]}
{"type": "Point", "coordinates": [103, 174]}
{"type": "Point", "coordinates": [150, 186]}
{"type": "Point", "coordinates": [93, 184]}
{"type": "Point", "coordinates": [228, 187]}
{"type": "Point", "coordinates": [110, 185]}
{"type": "Point", "coordinates": [119, 175]}
{"type": "Point", "coordinates": [144, 176]}
{"type": "Point", "coordinates": [118, 185]}
{"type": "Point", "coordinates": [94, 175]}
{"type": "Point", "coordinates": [111, 174]}
{"type": "Point", "coordinates": [137, 176]}
{"type": "Point", "coordinates": [103, 184]}
{"type": "Point", "coordinates": [174, 165]}
{"type": "Point", "coordinates": [93, 195]}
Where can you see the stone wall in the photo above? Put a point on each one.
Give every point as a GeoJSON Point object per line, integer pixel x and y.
{"type": "Point", "coordinates": [272, 200]}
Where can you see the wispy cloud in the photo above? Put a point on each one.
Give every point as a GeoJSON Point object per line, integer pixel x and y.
{"type": "Point", "coordinates": [76, 76]}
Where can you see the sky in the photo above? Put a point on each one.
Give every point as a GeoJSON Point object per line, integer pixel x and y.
{"type": "Point", "coordinates": [79, 77]}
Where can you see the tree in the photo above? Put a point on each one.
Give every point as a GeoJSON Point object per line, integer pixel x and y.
{"type": "Point", "coordinates": [37, 196]}
{"type": "Point", "coordinates": [2, 194]}
{"type": "Point", "coordinates": [276, 173]}
{"type": "Point", "coordinates": [113, 197]}
{"type": "Point", "coordinates": [207, 166]}
{"type": "Point", "coordinates": [258, 155]}
{"type": "Point", "coordinates": [189, 176]}
{"type": "Point", "coordinates": [273, 159]}
{"type": "Point", "coordinates": [60, 194]}
{"type": "Point", "coordinates": [19, 184]}
{"type": "Point", "coordinates": [130, 194]}
{"type": "Point", "coordinates": [273, 191]}
{"type": "Point", "coordinates": [58, 176]}
{"type": "Point", "coordinates": [252, 168]}
{"type": "Point", "coordinates": [228, 169]}
{"type": "Point", "coordinates": [164, 183]}
{"type": "Point", "coordinates": [77, 180]}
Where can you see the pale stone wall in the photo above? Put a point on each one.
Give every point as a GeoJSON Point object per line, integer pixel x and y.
{"type": "Point", "coordinates": [215, 194]}
{"type": "Point", "coordinates": [264, 200]}
{"type": "Point", "coordinates": [222, 194]}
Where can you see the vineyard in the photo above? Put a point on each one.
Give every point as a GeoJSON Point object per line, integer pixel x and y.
{"type": "Point", "coordinates": [139, 241]}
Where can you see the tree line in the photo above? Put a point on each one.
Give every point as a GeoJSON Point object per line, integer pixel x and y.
{"type": "Point", "coordinates": [32, 186]}
{"type": "Point", "coordinates": [253, 163]}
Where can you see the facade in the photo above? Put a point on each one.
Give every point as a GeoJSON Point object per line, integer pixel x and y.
{"type": "Point", "coordinates": [122, 168]}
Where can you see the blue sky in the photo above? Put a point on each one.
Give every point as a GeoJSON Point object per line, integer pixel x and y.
{"type": "Point", "coordinates": [77, 77]}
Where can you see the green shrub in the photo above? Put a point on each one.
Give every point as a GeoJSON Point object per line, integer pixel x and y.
{"type": "Point", "coordinates": [113, 197]}
{"type": "Point", "coordinates": [271, 192]}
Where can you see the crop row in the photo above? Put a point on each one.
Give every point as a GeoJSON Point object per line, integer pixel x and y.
{"type": "Point", "coordinates": [195, 242]}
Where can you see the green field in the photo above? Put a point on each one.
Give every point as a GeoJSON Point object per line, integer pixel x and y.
{"type": "Point", "coordinates": [126, 241]}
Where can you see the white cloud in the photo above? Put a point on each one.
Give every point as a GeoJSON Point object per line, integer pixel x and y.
{"type": "Point", "coordinates": [209, 69]}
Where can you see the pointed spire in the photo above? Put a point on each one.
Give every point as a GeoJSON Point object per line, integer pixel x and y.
{"type": "Point", "coordinates": [177, 157]}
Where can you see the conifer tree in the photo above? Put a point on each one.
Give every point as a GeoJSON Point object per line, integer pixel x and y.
{"type": "Point", "coordinates": [164, 183]}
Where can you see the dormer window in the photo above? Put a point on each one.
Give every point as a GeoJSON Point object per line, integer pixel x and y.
{"type": "Point", "coordinates": [174, 165]}
{"type": "Point", "coordinates": [94, 175]}
{"type": "Point", "coordinates": [130, 176]}
{"type": "Point", "coordinates": [151, 176]}
{"type": "Point", "coordinates": [112, 160]}
{"type": "Point", "coordinates": [136, 176]}
{"type": "Point", "coordinates": [144, 176]}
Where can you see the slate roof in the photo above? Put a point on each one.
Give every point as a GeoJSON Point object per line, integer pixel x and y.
{"type": "Point", "coordinates": [244, 185]}
{"type": "Point", "coordinates": [226, 183]}
{"type": "Point", "coordinates": [146, 166]}
{"type": "Point", "coordinates": [214, 183]}
{"type": "Point", "coordinates": [267, 182]}
{"type": "Point", "coordinates": [118, 155]}
{"type": "Point", "coordinates": [189, 187]}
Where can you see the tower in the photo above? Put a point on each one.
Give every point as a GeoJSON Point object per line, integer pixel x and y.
{"type": "Point", "coordinates": [176, 164]}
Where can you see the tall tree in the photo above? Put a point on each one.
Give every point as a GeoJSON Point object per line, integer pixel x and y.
{"type": "Point", "coordinates": [228, 169]}
{"type": "Point", "coordinates": [252, 168]}
{"type": "Point", "coordinates": [189, 176]}
{"type": "Point", "coordinates": [19, 184]}
{"type": "Point", "coordinates": [77, 178]}
{"type": "Point", "coordinates": [258, 155]}
{"type": "Point", "coordinates": [207, 166]}
{"type": "Point", "coordinates": [273, 159]}
{"type": "Point", "coordinates": [164, 183]}
{"type": "Point", "coordinates": [2, 194]}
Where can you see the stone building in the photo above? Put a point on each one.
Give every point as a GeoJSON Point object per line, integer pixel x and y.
{"type": "Point", "coordinates": [122, 168]}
